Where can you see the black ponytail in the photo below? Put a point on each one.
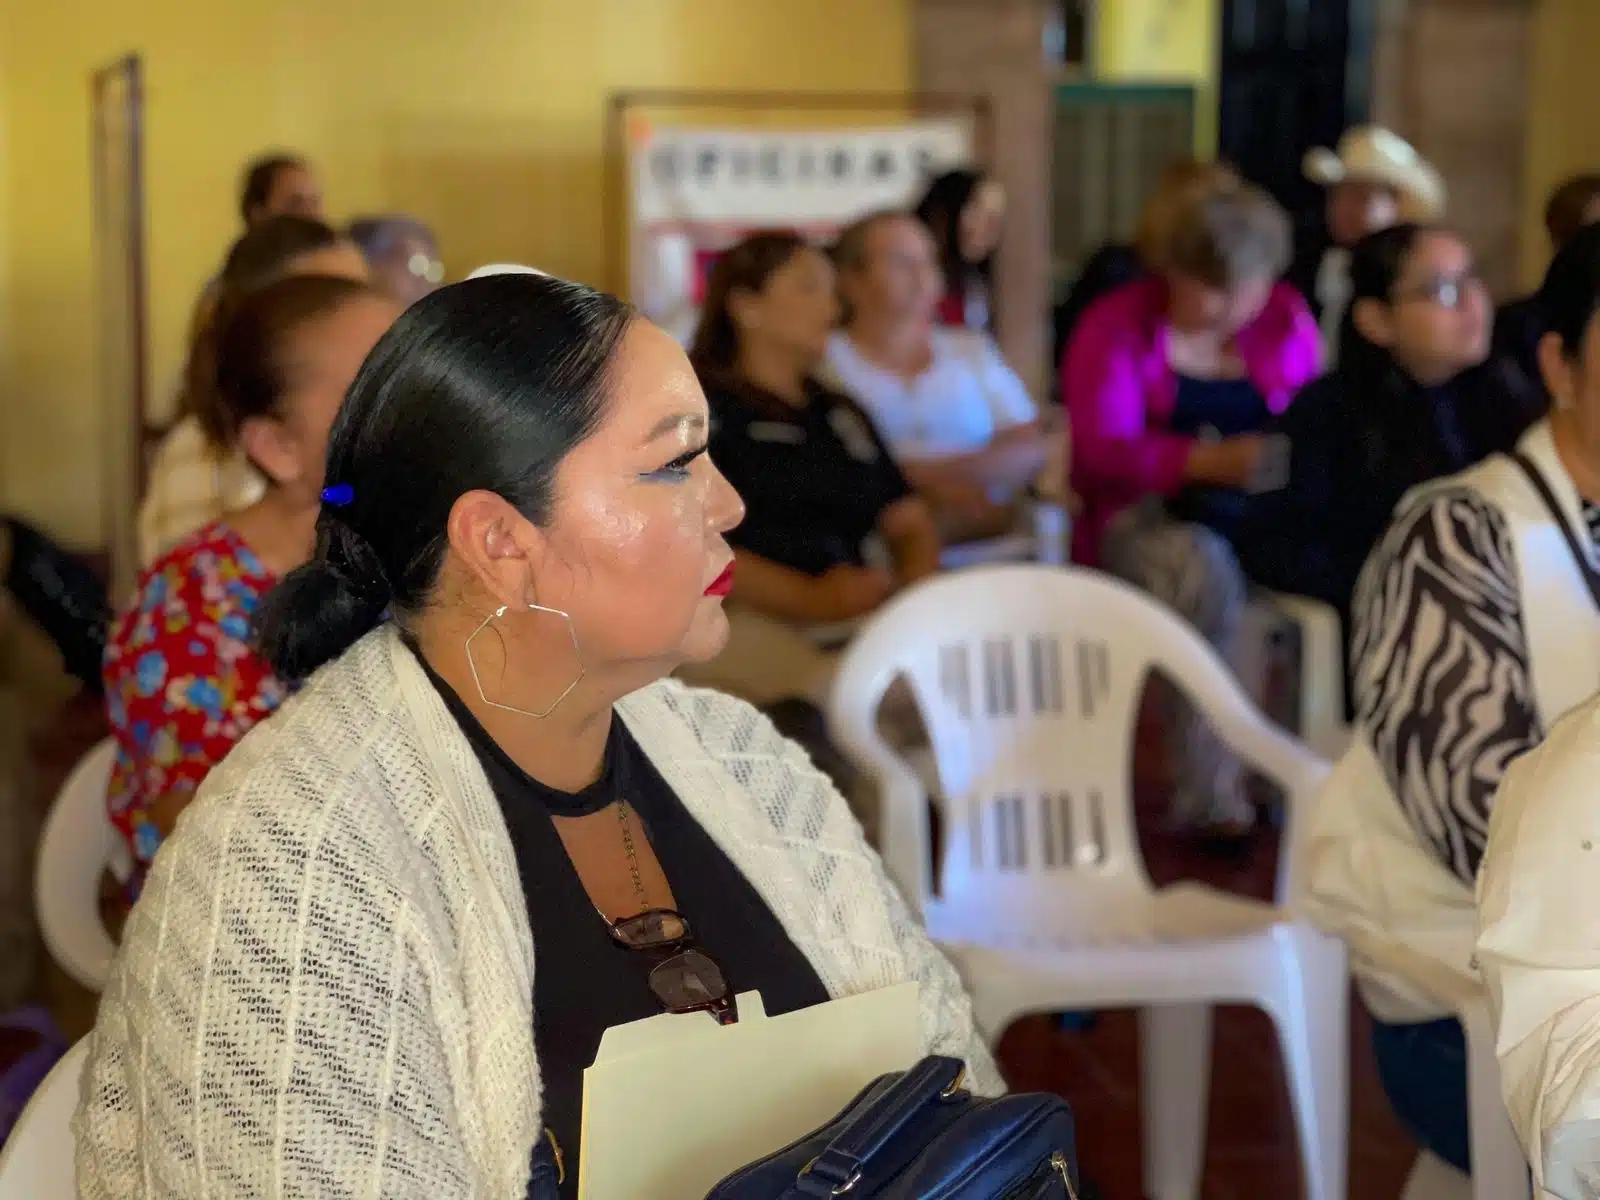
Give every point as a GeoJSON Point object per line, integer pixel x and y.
{"type": "Point", "coordinates": [326, 605]}
{"type": "Point", "coordinates": [1569, 297]}
{"type": "Point", "coordinates": [484, 385]}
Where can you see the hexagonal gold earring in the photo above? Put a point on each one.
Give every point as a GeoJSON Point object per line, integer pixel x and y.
{"type": "Point", "coordinates": [567, 691]}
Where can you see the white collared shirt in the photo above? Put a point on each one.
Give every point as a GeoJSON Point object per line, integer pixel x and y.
{"type": "Point", "coordinates": [1333, 295]}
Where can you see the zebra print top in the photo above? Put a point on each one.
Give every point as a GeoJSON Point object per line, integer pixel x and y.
{"type": "Point", "coordinates": [1440, 674]}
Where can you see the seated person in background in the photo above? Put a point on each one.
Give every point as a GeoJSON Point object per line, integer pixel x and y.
{"type": "Point", "coordinates": [1168, 383]}
{"type": "Point", "coordinates": [1414, 397]}
{"type": "Point", "coordinates": [816, 478]}
{"type": "Point", "coordinates": [182, 682]}
{"type": "Point", "coordinates": [955, 416]}
{"type": "Point", "coordinates": [402, 254]}
{"type": "Point", "coordinates": [965, 212]}
{"type": "Point", "coordinates": [279, 185]}
{"type": "Point", "coordinates": [1375, 179]}
{"type": "Point", "coordinates": [197, 474]}
{"type": "Point", "coordinates": [1476, 629]}
{"type": "Point", "coordinates": [379, 953]}
{"type": "Point", "coordinates": [1519, 325]}
{"type": "Point", "coordinates": [1117, 263]}
{"type": "Point", "coordinates": [272, 185]}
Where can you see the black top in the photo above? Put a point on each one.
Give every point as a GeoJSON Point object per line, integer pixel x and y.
{"type": "Point", "coordinates": [1355, 450]}
{"type": "Point", "coordinates": [1518, 327]}
{"type": "Point", "coordinates": [1213, 409]}
{"type": "Point", "coordinates": [63, 596]}
{"type": "Point", "coordinates": [814, 478]}
{"type": "Point", "coordinates": [584, 983]}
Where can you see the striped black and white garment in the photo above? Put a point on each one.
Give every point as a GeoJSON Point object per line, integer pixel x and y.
{"type": "Point", "coordinates": [1441, 673]}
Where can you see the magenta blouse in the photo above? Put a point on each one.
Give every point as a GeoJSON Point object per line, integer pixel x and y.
{"type": "Point", "coordinates": [1119, 392]}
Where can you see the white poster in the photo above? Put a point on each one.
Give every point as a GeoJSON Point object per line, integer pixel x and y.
{"type": "Point", "coordinates": [695, 191]}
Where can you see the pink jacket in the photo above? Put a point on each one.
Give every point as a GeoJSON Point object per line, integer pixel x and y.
{"type": "Point", "coordinates": [1119, 392]}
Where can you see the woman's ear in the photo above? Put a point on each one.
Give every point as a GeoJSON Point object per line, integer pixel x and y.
{"type": "Point", "coordinates": [1556, 371]}
{"type": "Point", "coordinates": [1373, 321]}
{"type": "Point", "coordinates": [268, 445]}
{"type": "Point", "coordinates": [497, 544]}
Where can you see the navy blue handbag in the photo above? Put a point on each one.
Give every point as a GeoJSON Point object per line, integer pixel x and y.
{"type": "Point", "coordinates": [549, 1170]}
{"type": "Point", "coordinates": [920, 1135]}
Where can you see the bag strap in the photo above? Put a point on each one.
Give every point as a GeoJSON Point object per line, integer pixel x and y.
{"type": "Point", "coordinates": [1541, 485]}
{"type": "Point", "coordinates": [838, 1168]}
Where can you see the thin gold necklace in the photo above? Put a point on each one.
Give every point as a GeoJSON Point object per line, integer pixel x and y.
{"type": "Point", "coordinates": [623, 819]}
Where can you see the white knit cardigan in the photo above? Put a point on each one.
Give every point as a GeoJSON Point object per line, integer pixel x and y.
{"type": "Point", "coordinates": [327, 987]}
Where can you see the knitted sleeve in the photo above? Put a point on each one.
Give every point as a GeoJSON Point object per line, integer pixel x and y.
{"type": "Point", "coordinates": [947, 1023]}
{"type": "Point", "coordinates": [808, 811]}
{"type": "Point", "coordinates": [269, 1029]}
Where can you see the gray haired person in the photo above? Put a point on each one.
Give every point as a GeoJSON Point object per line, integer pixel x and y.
{"type": "Point", "coordinates": [403, 255]}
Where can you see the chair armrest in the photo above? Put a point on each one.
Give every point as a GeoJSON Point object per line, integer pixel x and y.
{"type": "Point", "coordinates": [830, 635]}
{"type": "Point", "coordinates": [1012, 547]}
{"type": "Point", "coordinates": [1321, 706]}
{"type": "Point", "coordinates": [1044, 535]}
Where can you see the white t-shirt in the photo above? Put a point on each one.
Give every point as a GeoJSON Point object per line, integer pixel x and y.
{"type": "Point", "coordinates": [966, 396]}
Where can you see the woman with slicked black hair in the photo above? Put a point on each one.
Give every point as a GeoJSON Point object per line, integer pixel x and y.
{"type": "Point", "coordinates": [329, 985]}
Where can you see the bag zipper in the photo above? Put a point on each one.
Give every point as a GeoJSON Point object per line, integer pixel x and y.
{"type": "Point", "coordinates": [1056, 1164]}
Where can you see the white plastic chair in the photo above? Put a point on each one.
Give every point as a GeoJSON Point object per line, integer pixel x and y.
{"type": "Point", "coordinates": [36, 1161]}
{"type": "Point", "coordinates": [1045, 538]}
{"type": "Point", "coordinates": [1499, 1170]}
{"type": "Point", "coordinates": [77, 844]}
{"type": "Point", "coordinates": [1029, 679]}
{"type": "Point", "coordinates": [1321, 701]}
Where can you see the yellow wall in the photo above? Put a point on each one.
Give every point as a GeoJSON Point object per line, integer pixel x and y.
{"type": "Point", "coordinates": [484, 118]}
{"type": "Point", "coordinates": [1563, 115]}
{"type": "Point", "coordinates": [1165, 40]}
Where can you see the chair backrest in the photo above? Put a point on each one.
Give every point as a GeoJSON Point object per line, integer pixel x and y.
{"type": "Point", "coordinates": [77, 844]}
{"type": "Point", "coordinates": [1029, 680]}
{"type": "Point", "coordinates": [36, 1162]}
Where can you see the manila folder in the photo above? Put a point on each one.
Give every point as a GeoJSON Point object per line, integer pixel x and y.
{"type": "Point", "coordinates": [675, 1103]}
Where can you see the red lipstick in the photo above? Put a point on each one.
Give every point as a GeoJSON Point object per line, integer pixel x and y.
{"type": "Point", "coordinates": [722, 584]}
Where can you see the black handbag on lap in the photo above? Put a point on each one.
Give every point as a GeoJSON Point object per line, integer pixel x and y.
{"type": "Point", "coordinates": [919, 1135]}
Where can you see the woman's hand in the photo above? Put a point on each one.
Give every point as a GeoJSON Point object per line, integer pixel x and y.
{"type": "Point", "coordinates": [1232, 462]}
{"type": "Point", "coordinates": [913, 539]}
{"type": "Point", "coordinates": [843, 593]}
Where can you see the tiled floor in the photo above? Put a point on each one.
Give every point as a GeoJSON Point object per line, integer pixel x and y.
{"type": "Point", "coordinates": [1251, 1148]}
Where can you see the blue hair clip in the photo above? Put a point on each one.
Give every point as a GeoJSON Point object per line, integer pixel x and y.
{"type": "Point", "coordinates": [338, 494]}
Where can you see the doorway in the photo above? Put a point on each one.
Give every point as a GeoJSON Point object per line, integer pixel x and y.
{"type": "Point", "coordinates": [1294, 74]}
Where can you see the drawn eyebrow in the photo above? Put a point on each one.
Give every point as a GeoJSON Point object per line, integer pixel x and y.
{"type": "Point", "coordinates": [673, 423]}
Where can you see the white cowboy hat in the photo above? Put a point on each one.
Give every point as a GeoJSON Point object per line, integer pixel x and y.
{"type": "Point", "coordinates": [1371, 154]}
{"type": "Point", "coordinates": [505, 269]}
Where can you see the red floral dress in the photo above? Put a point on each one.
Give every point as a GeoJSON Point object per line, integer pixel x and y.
{"type": "Point", "coordinates": [182, 683]}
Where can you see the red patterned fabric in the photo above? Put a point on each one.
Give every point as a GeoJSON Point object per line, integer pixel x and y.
{"type": "Point", "coordinates": [182, 683]}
